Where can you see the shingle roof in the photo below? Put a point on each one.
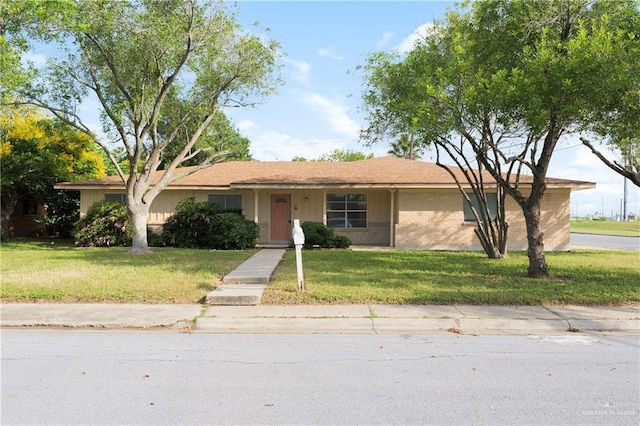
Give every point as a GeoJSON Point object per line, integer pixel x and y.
{"type": "Point", "coordinates": [387, 172]}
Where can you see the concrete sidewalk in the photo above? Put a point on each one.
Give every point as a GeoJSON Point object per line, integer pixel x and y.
{"type": "Point", "coordinates": [245, 284]}
{"type": "Point", "coordinates": [371, 319]}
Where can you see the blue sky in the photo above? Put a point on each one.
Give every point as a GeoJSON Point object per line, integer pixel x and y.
{"type": "Point", "coordinates": [317, 109]}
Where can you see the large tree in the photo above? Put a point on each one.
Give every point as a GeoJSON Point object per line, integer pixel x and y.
{"type": "Point", "coordinates": [37, 152]}
{"type": "Point", "coordinates": [160, 71]}
{"type": "Point", "coordinates": [395, 92]}
{"type": "Point", "coordinates": [510, 78]}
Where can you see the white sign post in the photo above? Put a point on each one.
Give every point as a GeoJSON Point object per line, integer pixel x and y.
{"type": "Point", "coordinates": [298, 241]}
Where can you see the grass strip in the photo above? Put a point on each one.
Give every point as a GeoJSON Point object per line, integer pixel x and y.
{"type": "Point", "coordinates": [602, 227]}
{"type": "Point", "coordinates": [402, 277]}
{"type": "Point", "coordinates": [39, 271]}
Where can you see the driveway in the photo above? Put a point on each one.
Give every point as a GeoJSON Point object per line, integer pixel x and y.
{"type": "Point", "coordinates": [606, 242]}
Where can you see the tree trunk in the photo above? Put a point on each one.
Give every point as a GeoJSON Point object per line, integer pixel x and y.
{"type": "Point", "coordinates": [8, 202]}
{"type": "Point", "coordinates": [535, 240]}
{"type": "Point", "coordinates": [138, 215]}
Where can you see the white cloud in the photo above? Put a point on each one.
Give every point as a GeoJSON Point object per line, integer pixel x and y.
{"type": "Point", "coordinates": [387, 36]}
{"type": "Point", "coordinates": [330, 52]}
{"type": "Point", "coordinates": [299, 70]}
{"type": "Point", "coordinates": [418, 34]}
{"type": "Point", "coordinates": [246, 125]}
{"type": "Point", "coordinates": [277, 146]}
{"type": "Point", "coordinates": [335, 113]}
{"type": "Point", "coordinates": [37, 59]}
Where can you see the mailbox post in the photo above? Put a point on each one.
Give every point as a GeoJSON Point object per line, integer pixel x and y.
{"type": "Point", "coordinates": [298, 241]}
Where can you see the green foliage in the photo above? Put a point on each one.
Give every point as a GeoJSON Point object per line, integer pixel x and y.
{"type": "Point", "coordinates": [63, 212]}
{"type": "Point", "coordinates": [204, 225]}
{"type": "Point", "coordinates": [318, 235]}
{"type": "Point", "coordinates": [220, 136]}
{"type": "Point", "coordinates": [344, 155]}
{"type": "Point", "coordinates": [38, 152]}
{"type": "Point", "coordinates": [106, 224]}
{"type": "Point", "coordinates": [498, 83]}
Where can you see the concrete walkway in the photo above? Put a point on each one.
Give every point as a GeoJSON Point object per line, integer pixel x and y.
{"type": "Point", "coordinates": [361, 319]}
{"type": "Point", "coordinates": [245, 284]}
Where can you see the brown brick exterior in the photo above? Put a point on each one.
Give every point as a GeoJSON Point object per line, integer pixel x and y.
{"type": "Point", "coordinates": [433, 220]}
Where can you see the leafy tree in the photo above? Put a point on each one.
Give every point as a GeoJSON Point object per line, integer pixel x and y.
{"type": "Point", "coordinates": [406, 147]}
{"type": "Point", "coordinates": [37, 153]}
{"type": "Point", "coordinates": [161, 72]}
{"type": "Point", "coordinates": [339, 155]}
{"type": "Point", "coordinates": [220, 136]}
{"type": "Point", "coordinates": [510, 78]}
{"type": "Point", "coordinates": [393, 98]}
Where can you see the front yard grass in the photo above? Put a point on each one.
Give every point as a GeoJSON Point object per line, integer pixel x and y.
{"type": "Point", "coordinates": [36, 271]}
{"type": "Point", "coordinates": [401, 277]}
{"type": "Point", "coordinates": [39, 271]}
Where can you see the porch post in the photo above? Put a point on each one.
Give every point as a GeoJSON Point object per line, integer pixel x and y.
{"type": "Point", "coordinates": [392, 228]}
{"type": "Point", "coordinates": [256, 199]}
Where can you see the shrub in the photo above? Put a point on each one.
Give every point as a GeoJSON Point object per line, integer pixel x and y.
{"type": "Point", "coordinates": [231, 231]}
{"type": "Point", "coordinates": [63, 212]}
{"type": "Point", "coordinates": [317, 234]}
{"type": "Point", "coordinates": [106, 224]}
{"type": "Point", "coordinates": [204, 225]}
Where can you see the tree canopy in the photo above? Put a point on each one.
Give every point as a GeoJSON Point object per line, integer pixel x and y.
{"type": "Point", "coordinates": [161, 71]}
{"type": "Point", "coordinates": [36, 153]}
{"type": "Point", "coordinates": [499, 82]}
{"type": "Point", "coordinates": [338, 155]}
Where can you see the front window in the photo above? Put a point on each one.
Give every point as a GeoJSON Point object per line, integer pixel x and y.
{"type": "Point", "coordinates": [226, 201]}
{"type": "Point", "coordinates": [120, 198]}
{"type": "Point", "coordinates": [346, 211]}
{"type": "Point", "coordinates": [492, 204]}
{"type": "Point", "coordinates": [29, 207]}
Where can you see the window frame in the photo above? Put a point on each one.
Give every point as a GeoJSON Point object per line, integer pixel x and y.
{"type": "Point", "coordinates": [492, 201]}
{"type": "Point", "coordinates": [119, 197]}
{"type": "Point", "coordinates": [29, 207]}
{"type": "Point", "coordinates": [226, 200]}
{"type": "Point", "coordinates": [348, 213]}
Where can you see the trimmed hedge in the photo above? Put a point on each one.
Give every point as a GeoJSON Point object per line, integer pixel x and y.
{"type": "Point", "coordinates": [106, 224]}
{"type": "Point", "coordinates": [317, 234]}
{"type": "Point", "coordinates": [205, 225]}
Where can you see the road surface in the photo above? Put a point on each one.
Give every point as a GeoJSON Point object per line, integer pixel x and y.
{"type": "Point", "coordinates": [146, 377]}
{"type": "Point", "coordinates": [606, 241]}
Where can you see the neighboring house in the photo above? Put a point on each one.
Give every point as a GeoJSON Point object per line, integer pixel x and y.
{"type": "Point", "coordinates": [27, 218]}
{"type": "Point", "coordinates": [389, 202]}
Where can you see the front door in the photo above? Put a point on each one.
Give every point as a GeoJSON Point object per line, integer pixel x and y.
{"type": "Point", "coordinates": [280, 217]}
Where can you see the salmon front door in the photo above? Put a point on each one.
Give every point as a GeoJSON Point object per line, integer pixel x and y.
{"type": "Point", "coordinates": [280, 217]}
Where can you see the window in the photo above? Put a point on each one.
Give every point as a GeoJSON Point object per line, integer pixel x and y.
{"type": "Point", "coordinates": [346, 211]}
{"type": "Point", "coordinates": [492, 204]}
{"type": "Point", "coordinates": [120, 198]}
{"type": "Point", "coordinates": [29, 207]}
{"type": "Point", "coordinates": [226, 201]}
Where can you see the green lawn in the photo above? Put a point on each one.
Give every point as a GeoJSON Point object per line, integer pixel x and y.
{"type": "Point", "coordinates": [41, 271]}
{"type": "Point", "coordinates": [400, 277]}
{"type": "Point", "coordinates": [38, 271]}
{"type": "Point", "coordinates": [603, 227]}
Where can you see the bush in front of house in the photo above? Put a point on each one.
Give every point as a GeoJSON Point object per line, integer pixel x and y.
{"type": "Point", "coordinates": [106, 224]}
{"type": "Point", "coordinates": [319, 235]}
{"type": "Point", "coordinates": [204, 225]}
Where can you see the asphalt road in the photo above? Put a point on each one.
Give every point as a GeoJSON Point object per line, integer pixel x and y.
{"type": "Point", "coordinates": [80, 377]}
{"type": "Point", "coordinates": [606, 241]}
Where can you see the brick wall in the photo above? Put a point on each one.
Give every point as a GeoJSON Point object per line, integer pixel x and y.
{"type": "Point", "coordinates": [434, 221]}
